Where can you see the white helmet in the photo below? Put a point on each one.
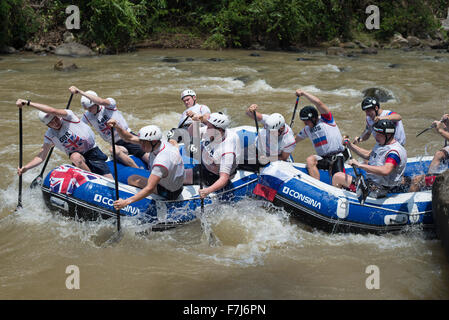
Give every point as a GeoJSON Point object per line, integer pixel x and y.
{"type": "Point", "coordinates": [275, 121]}
{"type": "Point", "coordinates": [187, 92]}
{"type": "Point", "coordinates": [150, 133]}
{"type": "Point", "coordinates": [219, 120]}
{"type": "Point", "coordinates": [45, 117]}
{"type": "Point", "coordinates": [86, 102]}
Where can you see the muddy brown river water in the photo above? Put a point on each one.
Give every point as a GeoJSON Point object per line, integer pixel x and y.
{"type": "Point", "coordinates": [265, 254]}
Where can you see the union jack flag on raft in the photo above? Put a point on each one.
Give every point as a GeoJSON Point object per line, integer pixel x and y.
{"type": "Point", "coordinates": [66, 178]}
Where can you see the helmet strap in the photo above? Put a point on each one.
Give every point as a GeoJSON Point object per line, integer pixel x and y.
{"type": "Point", "coordinates": [153, 145]}
{"type": "Point", "coordinates": [388, 138]}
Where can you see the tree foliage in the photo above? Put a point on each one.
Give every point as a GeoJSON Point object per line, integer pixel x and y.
{"type": "Point", "coordinates": [17, 22]}
{"type": "Point", "coordinates": [118, 24]}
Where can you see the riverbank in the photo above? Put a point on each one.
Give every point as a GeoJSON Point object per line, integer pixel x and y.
{"type": "Point", "coordinates": [115, 26]}
{"type": "Point", "coordinates": [64, 43]}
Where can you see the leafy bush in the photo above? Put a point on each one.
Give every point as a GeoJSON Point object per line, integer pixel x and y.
{"type": "Point", "coordinates": [17, 22]}
{"type": "Point", "coordinates": [118, 24]}
{"type": "Point", "coordinates": [413, 18]}
{"type": "Point", "coordinates": [115, 24]}
{"type": "Point", "coordinates": [275, 23]}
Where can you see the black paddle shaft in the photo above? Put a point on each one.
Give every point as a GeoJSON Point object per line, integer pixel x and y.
{"type": "Point", "coordinates": [294, 112]}
{"type": "Point", "coordinates": [425, 130]}
{"type": "Point", "coordinates": [201, 187]}
{"type": "Point", "coordinates": [201, 176]}
{"type": "Point", "coordinates": [19, 202]}
{"type": "Point", "coordinates": [115, 177]}
{"type": "Point", "coordinates": [182, 123]}
{"type": "Point", "coordinates": [361, 181]}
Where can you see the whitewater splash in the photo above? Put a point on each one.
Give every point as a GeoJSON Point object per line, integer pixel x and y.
{"type": "Point", "coordinates": [249, 232]}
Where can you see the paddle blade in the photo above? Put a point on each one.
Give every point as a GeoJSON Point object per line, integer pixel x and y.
{"type": "Point", "coordinates": [37, 182]}
{"type": "Point", "coordinates": [213, 240]}
{"type": "Point", "coordinates": [114, 239]}
{"type": "Point", "coordinates": [209, 234]}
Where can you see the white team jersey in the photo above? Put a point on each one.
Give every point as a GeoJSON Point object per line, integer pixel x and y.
{"type": "Point", "coordinates": [399, 134]}
{"type": "Point", "coordinates": [169, 158]}
{"type": "Point", "coordinates": [378, 157]}
{"type": "Point", "coordinates": [285, 141]}
{"type": "Point", "coordinates": [325, 136]}
{"type": "Point", "coordinates": [197, 108]}
{"type": "Point", "coordinates": [221, 155]}
{"type": "Point", "coordinates": [73, 136]}
{"type": "Point", "coordinates": [105, 113]}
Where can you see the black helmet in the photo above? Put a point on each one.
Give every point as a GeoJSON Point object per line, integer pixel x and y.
{"type": "Point", "coordinates": [370, 102]}
{"type": "Point", "coordinates": [308, 113]}
{"type": "Point", "coordinates": [385, 127]}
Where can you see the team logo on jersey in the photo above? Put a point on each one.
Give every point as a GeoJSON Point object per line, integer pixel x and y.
{"type": "Point", "coordinates": [73, 143]}
{"type": "Point", "coordinates": [315, 128]}
{"type": "Point", "coordinates": [105, 129]}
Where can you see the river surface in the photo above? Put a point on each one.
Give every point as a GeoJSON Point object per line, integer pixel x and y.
{"type": "Point", "coordinates": [264, 253]}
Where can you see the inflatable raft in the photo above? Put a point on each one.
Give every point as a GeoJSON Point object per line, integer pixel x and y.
{"type": "Point", "coordinates": [320, 205]}
{"type": "Point", "coordinates": [87, 196]}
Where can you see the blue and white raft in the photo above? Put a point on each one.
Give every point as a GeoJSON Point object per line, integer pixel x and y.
{"type": "Point", "coordinates": [87, 196]}
{"type": "Point", "coordinates": [320, 205]}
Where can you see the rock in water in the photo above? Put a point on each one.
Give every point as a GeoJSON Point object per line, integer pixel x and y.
{"type": "Point", "coordinates": [381, 94]}
{"type": "Point", "coordinates": [73, 49]}
{"type": "Point", "coordinates": [440, 209]}
{"type": "Point", "coordinates": [369, 51]}
{"type": "Point", "coordinates": [169, 59]}
{"type": "Point", "coordinates": [59, 66]}
{"type": "Point", "coordinates": [335, 51]}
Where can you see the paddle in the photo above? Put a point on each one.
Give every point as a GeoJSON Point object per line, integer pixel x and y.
{"type": "Point", "coordinates": [443, 119]}
{"type": "Point", "coordinates": [182, 123]}
{"type": "Point", "coordinates": [213, 241]}
{"type": "Point", "coordinates": [38, 180]}
{"type": "Point", "coordinates": [171, 132]}
{"type": "Point", "coordinates": [426, 129]}
{"type": "Point", "coordinates": [360, 183]}
{"type": "Point", "coordinates": [116, 237]}
{"type": "Point", "coordinates": [294, 112]}
{"type": "Point", "coordinates": [19, 202]}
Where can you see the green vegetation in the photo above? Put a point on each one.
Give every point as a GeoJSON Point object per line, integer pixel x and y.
{"type": "Point", "coordinates": [17, 22]}
{"type": "Point", "coordinates": [119, 24]}
{"type": "Point", "coordinates": [113, 23]}
{"type": "Point", "coordinates": [415, 18]}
